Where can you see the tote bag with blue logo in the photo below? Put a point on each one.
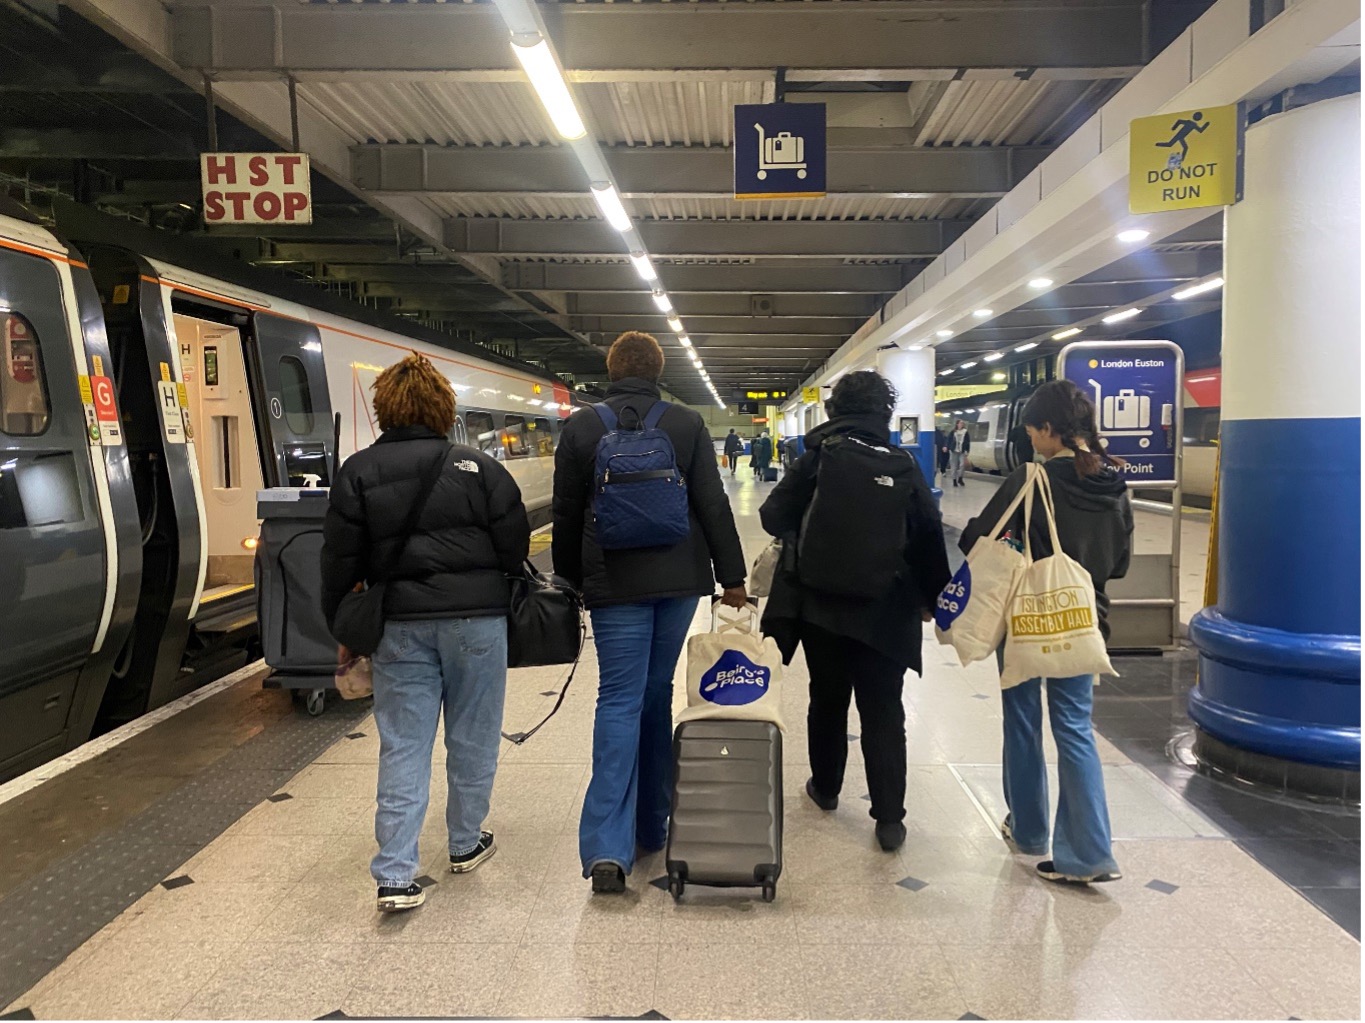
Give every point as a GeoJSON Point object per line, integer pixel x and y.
{"type": "Point", "coordinates": [733, 672]}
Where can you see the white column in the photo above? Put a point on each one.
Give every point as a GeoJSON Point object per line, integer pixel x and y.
{"type": "Point", "coordinates": [912, 375]}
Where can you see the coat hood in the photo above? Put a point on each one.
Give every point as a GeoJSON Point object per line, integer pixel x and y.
{"type": "Point", "coordinates": [868, 424]}
{"type": "Point", "coordinates": [1100, 491]}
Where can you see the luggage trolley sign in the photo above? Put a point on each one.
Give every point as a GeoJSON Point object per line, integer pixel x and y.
{"type": "Point", "coordinates": [1136, 387]}
{"type": "Point", "coordinates": [779, 150]}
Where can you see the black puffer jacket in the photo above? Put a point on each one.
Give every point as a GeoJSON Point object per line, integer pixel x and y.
{"type": "Point", "coordinates": [471, 533]}
{"type": "Point", "coordinates": [890, 624]}
{"type": "Point", "coordinates": [628, 577]}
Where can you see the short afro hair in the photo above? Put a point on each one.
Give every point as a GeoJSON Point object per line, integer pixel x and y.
{"type": "Point", "coordinates": [863, 393]}
{"type": "Point", "coordinates": [635, 354]}
{"type": "Point", "coordinates": [413, 392]}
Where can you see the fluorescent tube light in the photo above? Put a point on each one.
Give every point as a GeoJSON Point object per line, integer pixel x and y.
{"type": "Point", "coordinates": [1028, 347]}
{"type": "Point", "coordinates": [1135, 235]}
{"type": "Point", "coordinates": [945, 372]}
{"type": "Point", "coordinates": [995, 356]}
{"type": "Point", "coordinates": [609, 202]}
{"type": "Point", "coordinates": [967, 365]}
{"type": "Point", "coordinates": [662, 300]}
{"type": "Point", "coordinates": [1040, 283]}
{"type": "Point", "coordinates": [684, 340]}
{"type": "Point", "coordinates": [945, 333]}
{"type": "Point", "coordinates": [982, 314]}
{"type": "Point", "coordinates": [1064, 334]}
{"type": "Point", "coordinates": [914, 348]}
{"type": "Point", "coordinates": [643, 266]}
{"type": "Point", "coordinates": [1119, 317]}
{"type": "Point", "coordinates": [1198, 289]}
{"type": "Point", "coordinates": [540, 67]}
{"type": "Point", "coordinates": [675, 324]}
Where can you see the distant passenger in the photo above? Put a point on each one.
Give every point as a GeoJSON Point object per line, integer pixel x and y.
{"type": "Point", "coordinates": [959, 446]}
{"type": "Point", "coordinates": [642, 601]}
{"type": "Point", "coordinates": [733, 447]}
{"type": "Point", "coordinates": [1095, 526]}
{"type": "Point", "coordinates": [444, 650]}
{"type": "Point", "coordinates": [942, 451]}
{"type": "Point", "coordinates": [858, 521]}
{"type": "Point", "coordinates": [763, 454]}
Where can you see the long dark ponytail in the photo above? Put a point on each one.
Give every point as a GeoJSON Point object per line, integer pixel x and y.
{"type": "Point", "coordinates": [1064, 407]}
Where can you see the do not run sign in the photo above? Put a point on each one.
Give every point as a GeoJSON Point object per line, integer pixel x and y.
{"type": "Point", "coordinates": [256, 188]}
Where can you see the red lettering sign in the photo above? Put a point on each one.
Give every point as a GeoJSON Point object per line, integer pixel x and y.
{"type": "Point", "coordinates": [270, 188]}
{"type": "Point", "coordinates": [103, 390]}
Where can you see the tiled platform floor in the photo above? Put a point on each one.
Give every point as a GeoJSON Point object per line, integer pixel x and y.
{"type": "Point", "coordinates": [278, 919]}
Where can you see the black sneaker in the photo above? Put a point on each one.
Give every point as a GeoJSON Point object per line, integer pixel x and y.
{"type": "Point", "coordinates": [1048, 871]}
{"type": "Point", "coordinates": [890, 835]}
{"type": "Point", "coordinates": [608, 878]}
{"type": "Point", "coordinates": [826, 803]}
{"type": "Point", "coordinates": [464, 864]}
{"type": "Point", "coordinates": [395, 900]}
{"type": "Point", "coordinates": [1007, 832]}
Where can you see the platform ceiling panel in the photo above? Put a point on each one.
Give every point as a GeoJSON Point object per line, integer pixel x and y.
{"type": "Point", "coordinates": [718, 208]}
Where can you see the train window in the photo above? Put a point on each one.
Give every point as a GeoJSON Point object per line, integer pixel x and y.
{"type": "Point", "coordinates": [296, 396]}
{"type": "Point", "coordinates": [39, 490]}
{"type": "Point", "coordinates": [24, 406]}
{"type": "Point", "coordinates": [306, 465]}
{"type": "Point", "coordinates": [514, 436]}
{"type": "Point", "coordinates": [479, 426]}
{"type": "Point", "coordinates": [1201, 426]}
{"type": "Point", "coordinates": [542, 437]}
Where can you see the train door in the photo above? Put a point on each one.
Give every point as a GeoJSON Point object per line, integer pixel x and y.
{"type": "Point", "coordinates": [52, 541]}
{"type": "Point", "coordinates": [294, 410]}
{"type": "Point", "coordinates": [213, 366]}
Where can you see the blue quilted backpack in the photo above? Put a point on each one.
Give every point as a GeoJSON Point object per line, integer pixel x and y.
{"type": "Point", "coordinates": [639, 498]}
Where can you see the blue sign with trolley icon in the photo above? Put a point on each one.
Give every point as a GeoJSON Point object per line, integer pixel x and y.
{"type": "Point", "coordinates": [779, 151]}
{"type": "Point", "coordinates": [1137, 387]}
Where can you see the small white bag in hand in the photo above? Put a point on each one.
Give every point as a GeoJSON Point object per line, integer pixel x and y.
{"type": "Point", "coordinates": [1053, 625]}
{"type": "Point", "coordinates": [765, 567]}
{"type": "Point", "coordinates": [733, 672]}
{"type": "Point", "coordinates": [971, 611]}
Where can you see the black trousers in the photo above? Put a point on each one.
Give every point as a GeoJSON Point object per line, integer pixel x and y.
{"type": "Point", "coordinates": [734, 461]}
{"type": "Point", "coordinates": [841, 668]}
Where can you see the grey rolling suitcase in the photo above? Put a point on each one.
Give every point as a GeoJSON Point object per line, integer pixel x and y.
{"type": "Point", "coordinates": [726, 828]}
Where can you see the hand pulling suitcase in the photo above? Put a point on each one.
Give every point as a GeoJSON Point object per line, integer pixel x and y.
{"type": "Point", "coordinates": [770, 474]}
{"type": "Point", "coordinates": [726, 828]}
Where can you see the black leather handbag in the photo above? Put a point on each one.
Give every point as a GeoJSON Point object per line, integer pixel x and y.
{"type": "Point", "coordinates": [544, 626]}
{"type": "Point", "coordinates": [359, 621]}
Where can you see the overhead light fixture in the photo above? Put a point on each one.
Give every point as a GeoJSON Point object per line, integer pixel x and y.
{"type": "Point", "coordinates": [662, 300]}
{"type": "Point", "coordinates": [1027, 347]}
{"type": "Point", "coordinates": [643, 266]}
{"type": "Point", "coordinates": [967, 365]}
{"type": "Point", "coordinates": [995, 356]}
{"type": "Point", "coordinates": [1135, 235]}
{"type": "Point", "coordinates": [675, 324]}
{"type": "Point", "coordinates": [1039, 283]}
{"type": "Point", "coordinates": [1119, 317]}
{"type": "Point", "coordinates": [1064, 334]}
{"type": "Point", "coordinates": [982, 314]}
{"type": "Point", "coordinates": [945, 373]}
{"type": "Point", "coordinates": [1198, 289]}
{"type": "Point", "coordinates": [997, 377]}
{"type": "Point", "coordinates": [945, 333]}
{"type": "Point", "coordinates": [914, 348]}
{"type": "Point", "coordinates": [548, 81]}
{"type": "Point", "coordinates": [609, 202]}
{"type": "Point", "coordinates": [684, 340]}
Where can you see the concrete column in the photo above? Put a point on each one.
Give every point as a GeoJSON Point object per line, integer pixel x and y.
{"type": "Point", "coordinates": [1279, 668]}
{"type": "Point", "coordinates": [912, 375]}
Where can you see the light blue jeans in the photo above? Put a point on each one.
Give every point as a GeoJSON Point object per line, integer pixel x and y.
{"type": "Point", "coordinates": [631, 791]}
{"type": "Point", "coordinates": [424, 668]}
{"type": "Point", "coordinates": [1081, 845]}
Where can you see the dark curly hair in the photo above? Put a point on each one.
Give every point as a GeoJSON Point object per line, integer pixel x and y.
{"type": "Point", "coordinates": [413, 392]}
{"type": "Point", "coordinates": [863, 393]}
{"type": "Point", "coordinates": [1070, 413]}
{"type": "Point", "coordinates": [635, 354]}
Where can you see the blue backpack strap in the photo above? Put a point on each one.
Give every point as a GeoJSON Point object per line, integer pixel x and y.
{"type": "Point", "coordinates": [655, 414]}
{"type": "Point", "coordinates": [607, 416]}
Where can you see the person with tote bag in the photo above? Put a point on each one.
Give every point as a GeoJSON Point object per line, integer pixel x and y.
{"type": "Point", "coordinates": [1092, 519]}
{"type": "Point", "coordinates": [433, 530]}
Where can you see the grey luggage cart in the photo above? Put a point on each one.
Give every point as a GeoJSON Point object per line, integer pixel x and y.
{"type": "Point", "coordinates": [294, 637]}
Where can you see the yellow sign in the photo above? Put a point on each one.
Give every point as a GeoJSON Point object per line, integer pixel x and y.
{"type": "Point", "coordinates": [87, 396]}
{"type": "Point", "coordinates": [950, 392]}
{"type": "Point", "coordinates": [1185, 160]}
{"type": "Point", "coordinates": [752, 395]}
{"type": "Point", "coordinates": [165, 372]}
{"type": "Point", "coordinates": [810, 395]}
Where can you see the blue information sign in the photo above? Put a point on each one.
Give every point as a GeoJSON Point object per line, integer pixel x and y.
{"type": "Point", "coordinates": [780, 151]}
{"type": "Point", "coordinates": [1136, 387]}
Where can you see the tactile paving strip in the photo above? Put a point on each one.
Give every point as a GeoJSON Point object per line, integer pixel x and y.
{"type": "Point", "coordinates": [45, 921]}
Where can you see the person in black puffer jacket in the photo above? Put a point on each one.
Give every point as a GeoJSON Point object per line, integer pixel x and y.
{"type": "Point", "coordinates": [642, 602]}
{"type": "Point", "coordinates": [446, 604]}
{"type": "Point", "coordinates": [857, 646]}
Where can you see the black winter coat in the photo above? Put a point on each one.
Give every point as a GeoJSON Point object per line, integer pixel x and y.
{"type": "Point", "coordinates": [711, 551]}
{"type": "Point", "coordinates": [890, 624]}
{"type": "Point", "coordinates": [733, 445]}
{"type": "Point", "coordinates": [470, 535]}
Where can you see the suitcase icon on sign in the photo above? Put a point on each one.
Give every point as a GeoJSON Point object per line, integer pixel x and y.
{"type": "Point", "coordinates": [1126, 411]}
{"type": "Point", "coordinates": [784, 151]}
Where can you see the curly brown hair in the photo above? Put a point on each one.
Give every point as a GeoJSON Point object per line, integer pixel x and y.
{"type": "Point", "coordinates": [635, 354]}
{"type": "Point", "coordinates": [413, 392]}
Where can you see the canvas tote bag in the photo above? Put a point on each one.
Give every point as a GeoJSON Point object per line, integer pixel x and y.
{"type": "Point", "coordinates": [1053, 626]}
{"type": "Point", "coordinates": [733, 672]}
{"type": "Point", "coordinates": [970, 616]}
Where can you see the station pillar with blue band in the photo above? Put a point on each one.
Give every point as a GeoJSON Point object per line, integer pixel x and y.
{"type": "Point", "coordinates": [911, 373]}
{"type": "Point", "coordinates": [1279, 654]}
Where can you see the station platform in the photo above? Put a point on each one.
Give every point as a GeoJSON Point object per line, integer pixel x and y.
{"type": "Point", "coordinates": [215, 865]}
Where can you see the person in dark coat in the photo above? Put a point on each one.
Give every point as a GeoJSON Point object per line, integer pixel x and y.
{"type": "Point", "coordinates": [763, 454]}
{"type": "Point", "coordinates": [642, 602]}
{"type": "Point", "coordinates": [444, 649]}
{"type": "Point", "coordinates": [733, 446]}
{"type": "Point", "coordinates": [944, 452]}
{"type": "Point", "coordinates": [856, 648]}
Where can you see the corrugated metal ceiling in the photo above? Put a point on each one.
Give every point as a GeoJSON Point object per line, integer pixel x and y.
{"type": "Point", "coordinates": [533, 207]}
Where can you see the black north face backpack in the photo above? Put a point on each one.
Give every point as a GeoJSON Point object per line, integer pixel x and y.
{"type": "Point", "coordinates": [853, 537]}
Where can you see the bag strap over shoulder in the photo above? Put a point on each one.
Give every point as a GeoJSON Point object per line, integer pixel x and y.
{"type": "Point", "coordinates": [605, 413]}
{"type": "Point", "coordinates": [429, 478]}
{"type": "Point", "coordinates": [1030, 481]}
{"type": "Point", "coordinates": [655, 414]}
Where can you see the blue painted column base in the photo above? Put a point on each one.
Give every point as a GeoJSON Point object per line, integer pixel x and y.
{"type": "Point", "coordinates": [1291, 695]}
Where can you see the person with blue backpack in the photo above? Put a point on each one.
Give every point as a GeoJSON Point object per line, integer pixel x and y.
{"type": "Point", "coordinates": [643, 528]}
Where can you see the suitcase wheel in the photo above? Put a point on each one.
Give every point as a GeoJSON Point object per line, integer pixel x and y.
{"type": "Point", "coordinates": [676, 887]}
{"type": "Point", "coordinates": [769, 890]}
{"type": "Point", "coordinates": [315, 701]}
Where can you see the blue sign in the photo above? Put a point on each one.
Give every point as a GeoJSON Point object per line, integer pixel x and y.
{"type": "Point", "coordinates": [1137, 388]}
{"type": "Point", "coordinates": [734, 680]}
{"type": "Point", "coordinates": [780, 151]}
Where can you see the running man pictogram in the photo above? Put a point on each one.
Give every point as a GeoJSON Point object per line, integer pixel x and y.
{"type": "Point", "coordinates": [1182, 129]}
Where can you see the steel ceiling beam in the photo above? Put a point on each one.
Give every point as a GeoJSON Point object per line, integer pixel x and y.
{"type": "Point", "coordinates": [508, 238]}
{"type": "Point", "coordinates": [795, 278]}
{"type": "Point", "coordinates": [645, 171]}
{"type": "Point", "coordinates": [701, 326]}
{"type": "Point", "coordinates": [245, 38]}
{"type": "Point", "coordinates": [746, 304]}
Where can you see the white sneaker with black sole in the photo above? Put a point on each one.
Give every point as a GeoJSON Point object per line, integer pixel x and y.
{"type": "Point", "coordinates": [464, 864]}
{"type": "Point", "coordinates": [1048, 871]}
{"type": "Point", "coordinates": [395, 900]}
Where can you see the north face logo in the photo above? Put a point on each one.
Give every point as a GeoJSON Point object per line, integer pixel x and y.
{"type": "Point", "coordinates": [884, 481]}
{"type": "Point", "coordinates": [468, 465]}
